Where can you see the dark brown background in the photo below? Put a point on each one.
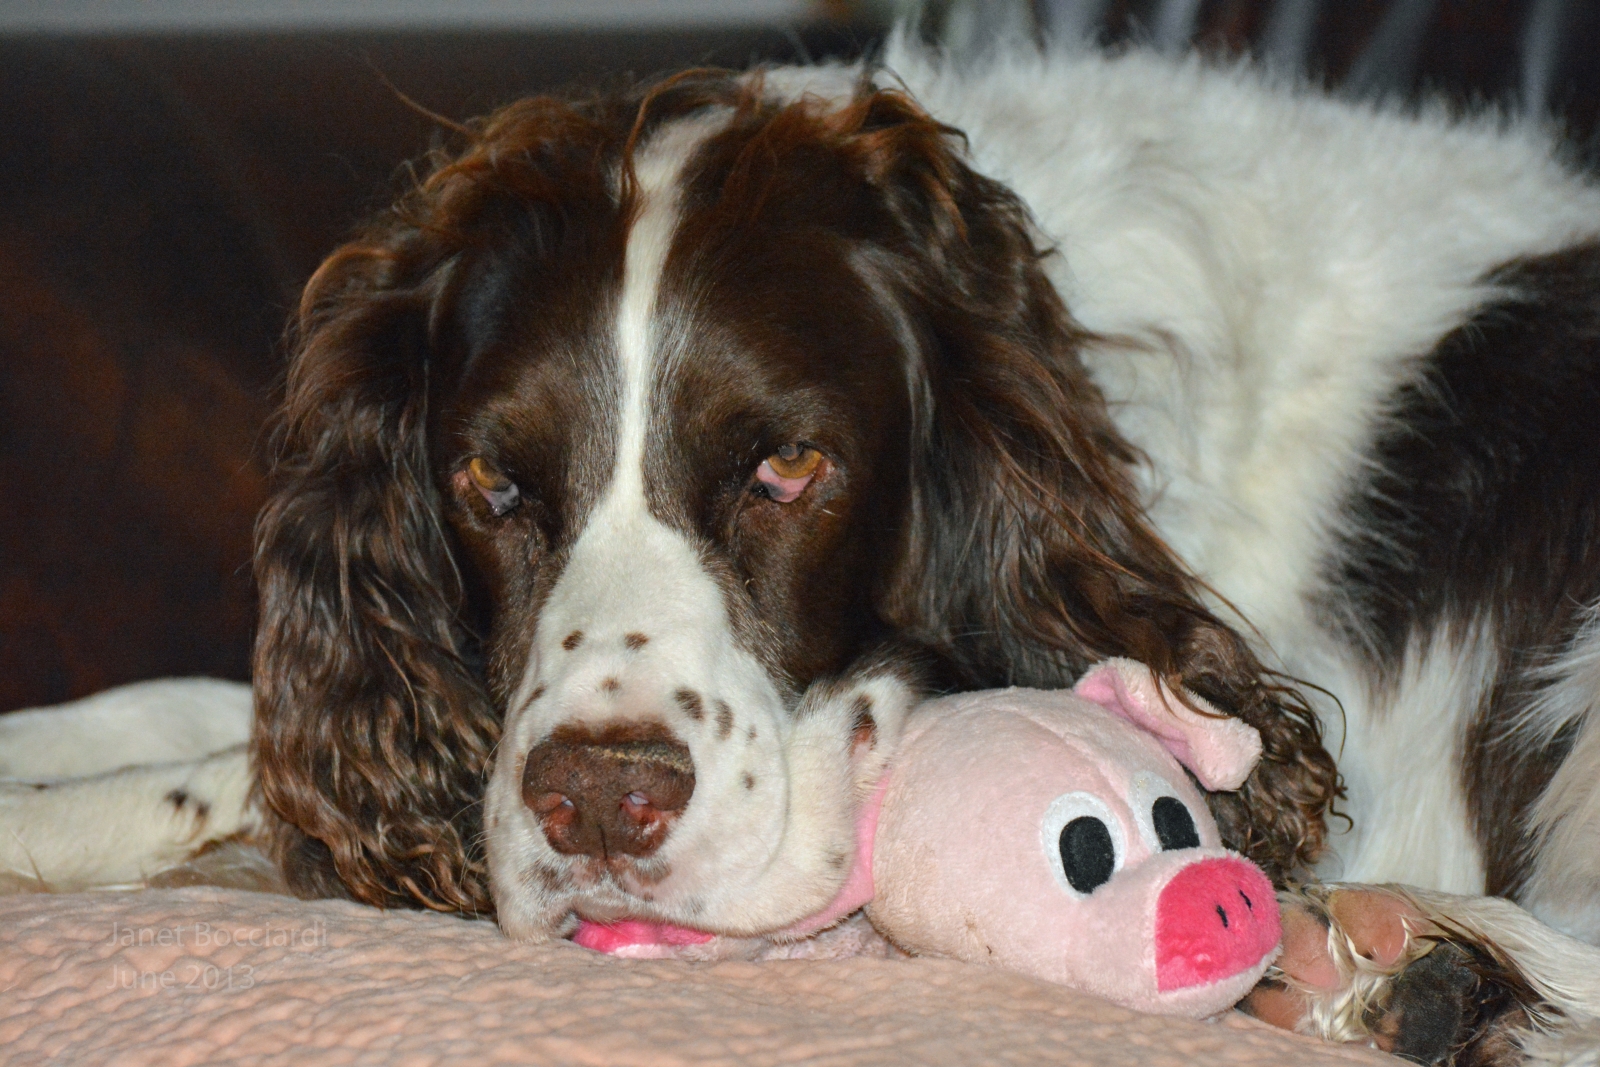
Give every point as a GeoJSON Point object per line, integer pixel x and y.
{"type": "Point", "coordinates": [162, 198]}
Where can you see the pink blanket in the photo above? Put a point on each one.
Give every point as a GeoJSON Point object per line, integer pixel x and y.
{"type": "Point", "coordinates": [189, 976]}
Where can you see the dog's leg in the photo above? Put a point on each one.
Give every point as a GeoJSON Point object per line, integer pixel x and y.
{"type": "Point", "coordinates": [148, 722]}
{"type": "Point", "coordinates": [1564, 889]}
{"type": "Point", "coordinates": [1434, 978]}
{"type": "Point", "coordinates": [121, 827]}
{"type": "Point", "coordinates": [119, 786]}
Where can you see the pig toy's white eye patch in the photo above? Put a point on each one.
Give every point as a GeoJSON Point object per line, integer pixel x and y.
{"type": "Point", "coordinates": [1165, 821]}
{"type": "Point", "coordinates": [1083, 842]}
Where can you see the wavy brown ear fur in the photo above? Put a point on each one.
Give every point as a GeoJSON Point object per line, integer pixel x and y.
{"type": "Point", "coordinates": [1029, 557]}
{"type": "Point", "coordinates": [373, 733]}
{"type": "Point", "coordinates": [372, 736]}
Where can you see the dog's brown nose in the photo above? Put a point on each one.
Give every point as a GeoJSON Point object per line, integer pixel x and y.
{"type": "Point", "coordinates": [615, 790]}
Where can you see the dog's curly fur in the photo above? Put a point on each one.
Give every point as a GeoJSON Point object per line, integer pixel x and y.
{"type": "Point", "coordinates": [379, 698]}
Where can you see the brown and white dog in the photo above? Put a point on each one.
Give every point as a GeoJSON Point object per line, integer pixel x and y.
{"type": "Point", "coordinates": [640, 469]}
{"type": "Point", "coordinates": [675, 443]}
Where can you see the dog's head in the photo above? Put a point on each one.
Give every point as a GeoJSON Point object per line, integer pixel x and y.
{"type": "Point", "coordinates": [632, 472]}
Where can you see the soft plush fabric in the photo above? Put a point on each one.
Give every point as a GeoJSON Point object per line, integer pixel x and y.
{"type": "Point", "coordinates": [974, 857]}
{"type": "Point", "coordinates": [963, 850]}
{"type": "Point", "coordinates": [334, 983]}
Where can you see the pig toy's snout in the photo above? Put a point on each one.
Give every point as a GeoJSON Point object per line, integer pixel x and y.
{"type": "Point", "coordinates": [1215, 919]}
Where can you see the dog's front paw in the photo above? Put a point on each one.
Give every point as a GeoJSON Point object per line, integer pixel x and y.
{"type": "Point", "coordinates": [1378, 965]}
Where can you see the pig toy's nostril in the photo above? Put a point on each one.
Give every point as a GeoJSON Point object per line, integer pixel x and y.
{"type": "Point", "coordinates": [1203, 934]}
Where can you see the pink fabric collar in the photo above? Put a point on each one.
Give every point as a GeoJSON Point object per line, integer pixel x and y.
{"type": "Point", "coordinates": [858, 888]}
{"type": "Point", "coordinates": [856, 893]}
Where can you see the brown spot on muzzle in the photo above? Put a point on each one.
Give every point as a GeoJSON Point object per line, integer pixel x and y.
{"type": "Point", "coordinates": [691, 703]}
{"type": "Point", "coordinates": [615, 790]}
{"type": "Point", "coordinates": [863, 727]}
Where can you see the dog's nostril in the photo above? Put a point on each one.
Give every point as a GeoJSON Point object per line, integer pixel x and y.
{"type": "Point", "coordinates": [549, 803]}
{"type": "Point", "coordinates": [615, 790]}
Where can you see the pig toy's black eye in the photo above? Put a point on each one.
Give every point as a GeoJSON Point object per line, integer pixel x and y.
{"type": "Point", "coordinates": [1174, 825]}
{"type": "Point", "coordinates": [1166, 821]}
{"type": "Point", "coordinates": [1084, 842]}
{"type": "Point", "coordinates": [1088, 858]}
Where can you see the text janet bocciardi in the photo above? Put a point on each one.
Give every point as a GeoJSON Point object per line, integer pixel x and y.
{"type": "Point", "coordinates": [204, 935]}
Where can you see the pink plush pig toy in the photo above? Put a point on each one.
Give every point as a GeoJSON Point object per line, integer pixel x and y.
{"type": "Point", "coordinates": [1055, 833]}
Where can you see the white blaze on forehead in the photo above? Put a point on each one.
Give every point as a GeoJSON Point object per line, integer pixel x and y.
{"type": "Point", "coordinates": [657, 171]}
{"type": "Point", "coordinates": [630, 574]}
{"type": "Point", "coordinates": [768, 833]}
{"type": "Point", "coordinates": [625, 558]}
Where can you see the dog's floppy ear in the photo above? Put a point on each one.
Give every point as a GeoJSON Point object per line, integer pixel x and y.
{"type": "Point", "coordinates": [1028, 556]}
{"type": "Point", "coordinates": [374, 730]}
{"type": "Point", "coordinates": [371, 735]}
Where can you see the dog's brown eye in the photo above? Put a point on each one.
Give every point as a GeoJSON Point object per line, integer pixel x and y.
{"type": "Point", "coordinates": [795, 461]}
{"type": "Point", "coordinates": [788, 471]}
{"type": "Point", "coordinates": [500, 492]}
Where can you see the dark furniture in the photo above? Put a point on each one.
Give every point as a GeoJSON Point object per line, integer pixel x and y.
{"type": "Point", "coordinates": [163, 198]}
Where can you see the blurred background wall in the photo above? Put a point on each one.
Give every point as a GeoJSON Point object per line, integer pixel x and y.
{"type": "Point", "coordinates": [172, 170]}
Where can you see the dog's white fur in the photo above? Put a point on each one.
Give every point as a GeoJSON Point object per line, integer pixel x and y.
{"type": "Point", "coordinates": [1563, 972]}
{"type": "Point", "coordinates": [1563, 887]}
{"type": "Point", "coordinates": [111, 789]}
{"type": "Point", "coordinates": [1267, 264]}
{"type": "Point", "coordinates": [1281, 261]}
{"type": "Point", "coordinates": [774, 808]}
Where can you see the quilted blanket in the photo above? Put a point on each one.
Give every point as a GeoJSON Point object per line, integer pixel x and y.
{"type": "Point", "coordinates": [204, 975]}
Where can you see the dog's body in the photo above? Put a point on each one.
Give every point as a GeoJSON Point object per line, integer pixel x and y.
{"type": "Point", "coordinates": [701, 433]}
{"type": "Point", "coordinates": [1358, 350]}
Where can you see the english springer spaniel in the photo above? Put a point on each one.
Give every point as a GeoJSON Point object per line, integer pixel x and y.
{"type": "Point", "coordinates": [640, 469]}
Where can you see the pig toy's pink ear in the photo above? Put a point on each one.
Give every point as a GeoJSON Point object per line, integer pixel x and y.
{"type": "Point", "coordinates": [1219, 749]}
